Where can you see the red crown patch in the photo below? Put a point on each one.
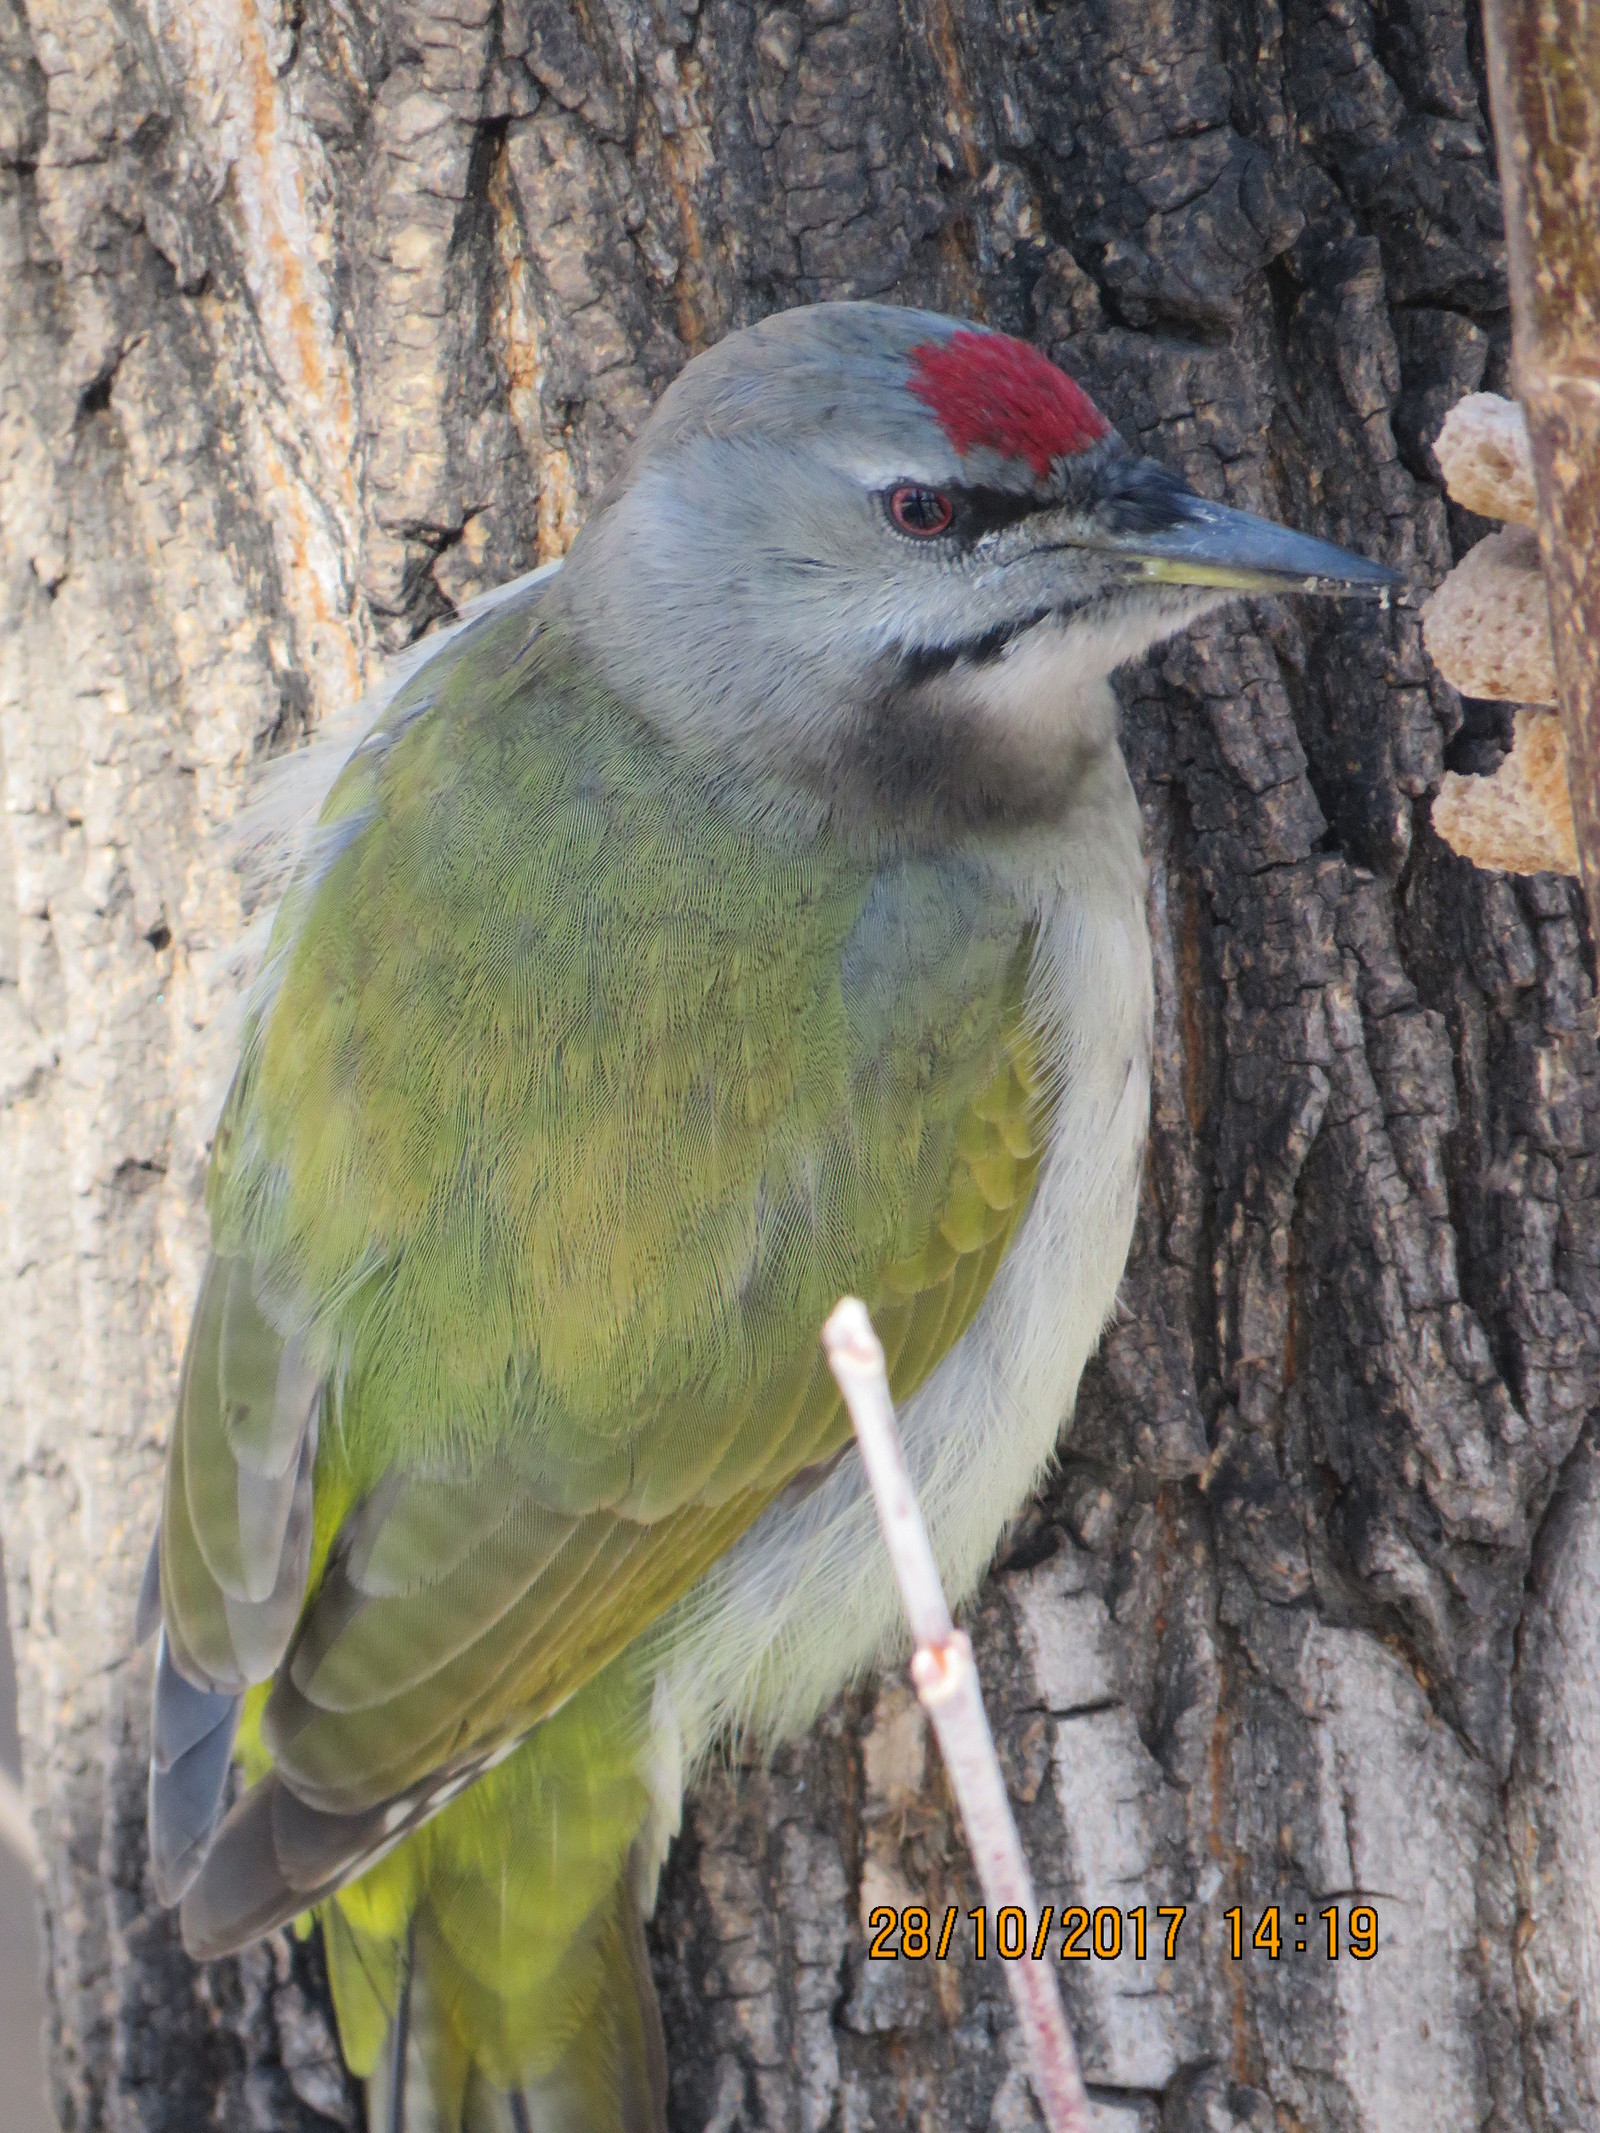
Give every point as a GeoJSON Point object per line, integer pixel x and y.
{"type": "Point", "coordinates": [989, 392]}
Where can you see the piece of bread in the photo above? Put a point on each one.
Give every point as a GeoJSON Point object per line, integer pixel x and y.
{"type": "Point", "coordinates": [1520, 820]}
{"type": "Point", "coordinates": [1487, 628]}
{"type": "Point", "coordinates": [1485, 458]}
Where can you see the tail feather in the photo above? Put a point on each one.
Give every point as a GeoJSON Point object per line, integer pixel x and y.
{"type": "Point", "coordinates": [486, 1953]}
{"type": "Point", "coordinates": [421, 2080]}
{"type": "Point", "coordinates": [609, 2079]}
{"type": "Point", "coordinates": [387, 2111]}
{"type": "Point", "coordinates": [639, 2049]}
{"type": "Point", "coordinates": [612, 2077]}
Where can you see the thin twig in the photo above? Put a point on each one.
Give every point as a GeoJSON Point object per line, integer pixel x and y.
{"type": "Point", "coordinates": [946, 1682]}
{"type": "Point", "coordinates": [16, 1830]}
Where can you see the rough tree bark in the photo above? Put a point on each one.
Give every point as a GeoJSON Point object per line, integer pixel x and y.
{"type": "Point", "coordinates": [318, 315]}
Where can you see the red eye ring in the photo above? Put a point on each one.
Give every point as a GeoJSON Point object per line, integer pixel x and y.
{"type": "Point", "coordinates": [921, 512]}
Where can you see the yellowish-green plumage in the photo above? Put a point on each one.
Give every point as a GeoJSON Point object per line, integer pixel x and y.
{"type": "Point", "coordinates": [612, 1030]}
{"type": "Point", "coordinates": [584, 1087]}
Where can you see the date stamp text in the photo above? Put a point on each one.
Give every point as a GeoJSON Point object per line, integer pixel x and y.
{"type": "Point", "coordinates": [1104, 1932]}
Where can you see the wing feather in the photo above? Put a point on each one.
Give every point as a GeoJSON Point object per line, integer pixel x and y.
{"type": "Point", "coordinates": [567, 1114]}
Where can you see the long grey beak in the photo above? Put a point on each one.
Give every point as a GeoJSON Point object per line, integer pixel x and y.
{"type": "Point", "coordinates": [1178, 538]}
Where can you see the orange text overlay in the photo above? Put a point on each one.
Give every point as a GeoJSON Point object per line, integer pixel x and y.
{"type": "Point", "coordinates": [1107, 1932]}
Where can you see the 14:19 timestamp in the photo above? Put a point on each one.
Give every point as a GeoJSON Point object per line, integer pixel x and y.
{"type": "Point", "coordinates": [1268, 1938]}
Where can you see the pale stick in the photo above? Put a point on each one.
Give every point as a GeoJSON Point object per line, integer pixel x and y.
{"type": "Point", "coordinates": [946, 1682]}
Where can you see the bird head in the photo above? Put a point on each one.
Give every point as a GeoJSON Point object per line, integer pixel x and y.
{"type": "Point", "coordinates": [885, 561]}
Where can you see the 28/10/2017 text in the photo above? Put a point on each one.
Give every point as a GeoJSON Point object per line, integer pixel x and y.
{"type": "Point", "coordinates": [1105, 1932]}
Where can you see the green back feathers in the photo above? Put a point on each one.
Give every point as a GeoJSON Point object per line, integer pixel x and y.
{"type": "Point", "coordinates": [582, 1098]}
{"type": "Point", "coordinates": [581, 1093]}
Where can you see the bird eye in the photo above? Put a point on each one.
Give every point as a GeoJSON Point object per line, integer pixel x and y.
{"type": "Point", "coordinates": [923, 512]}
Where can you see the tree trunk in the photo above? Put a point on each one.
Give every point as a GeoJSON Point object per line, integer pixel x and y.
{"type": "Point", "coordinates": [316, 319]}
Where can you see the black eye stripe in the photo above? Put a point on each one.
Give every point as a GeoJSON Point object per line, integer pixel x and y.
{"type": "Point", "coordinates": [986, 510]}
{"type": "Point", "coordinates": [973, 512]}
{"type": "Point", "coordinates": [1123, 492]}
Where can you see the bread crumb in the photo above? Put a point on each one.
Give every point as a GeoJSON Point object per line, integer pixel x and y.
{"type": "Point", "coordinates": [1520, 820]}
{"type": "Point", "coordinates": [1487, 628]}
{"type": "Point", "coordinates": [1486, 460]}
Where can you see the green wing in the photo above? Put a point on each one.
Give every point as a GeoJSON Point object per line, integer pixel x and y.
{"type": "Point", "coordinates": [581, 1095]}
